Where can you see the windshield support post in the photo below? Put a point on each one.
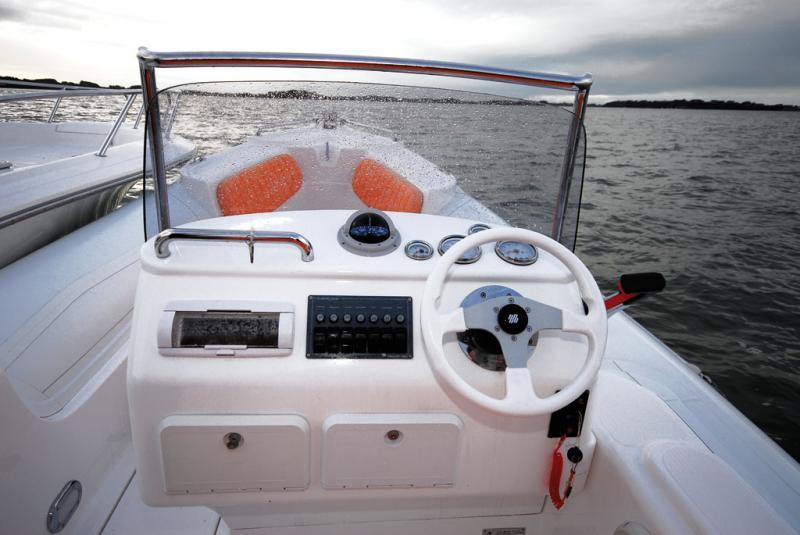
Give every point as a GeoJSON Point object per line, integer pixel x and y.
{"type": "Point", "coordinates": [150, 103]}
{"type": "Point", "coordinates": [568, 167]}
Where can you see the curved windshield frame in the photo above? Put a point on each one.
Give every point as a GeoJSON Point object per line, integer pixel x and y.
{"type": "Point", "coordinates": [521, 159]}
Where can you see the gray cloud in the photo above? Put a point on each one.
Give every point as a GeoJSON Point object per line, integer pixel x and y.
{"type": "Point", "coordinates": [750, 55]}
{"type": "Point", "coordinates": [11, 13]}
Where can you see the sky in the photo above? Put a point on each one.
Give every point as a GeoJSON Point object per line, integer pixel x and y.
{"type": "Point", "coordinates": [724, 49]}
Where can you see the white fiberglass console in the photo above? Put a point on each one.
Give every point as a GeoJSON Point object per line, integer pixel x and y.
{"type": "Point", "coordinates": [391, 382]}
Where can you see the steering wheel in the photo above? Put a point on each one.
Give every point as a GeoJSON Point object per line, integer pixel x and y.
{"type": "Point", "coordinates": [513, 320]}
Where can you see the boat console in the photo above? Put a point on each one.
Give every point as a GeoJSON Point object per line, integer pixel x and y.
{"type": "Point", "coordinates": [368, 375]}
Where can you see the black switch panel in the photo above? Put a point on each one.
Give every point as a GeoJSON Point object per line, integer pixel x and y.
{"type": "Point", "coordinates": [568, 421]}
{"type": "Point", "coordinates": [359, 327]}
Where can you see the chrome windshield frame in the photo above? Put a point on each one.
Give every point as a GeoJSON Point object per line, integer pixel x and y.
{"type": "Point", "coordinates": [150, 60]}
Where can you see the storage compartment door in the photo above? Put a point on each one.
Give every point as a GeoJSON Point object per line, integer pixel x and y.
{"type": "Point", "coordinates": [202, 453]}
{"type": "Point", "coordinates": [390, 450]}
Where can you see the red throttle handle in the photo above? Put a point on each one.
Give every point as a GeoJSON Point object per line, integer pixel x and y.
{"type": "Point", "coordinates": [635, 286]}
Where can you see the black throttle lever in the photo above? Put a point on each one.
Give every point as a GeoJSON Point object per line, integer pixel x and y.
{"type": "Point", "coordinates": [634, 286]}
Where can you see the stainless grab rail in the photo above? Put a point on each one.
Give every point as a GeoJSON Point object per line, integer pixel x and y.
{"type": "Point", "coordinates": [43, 95]}
{"type": "Point", "coordinates": [114, 129]}
{"type": "Point", "coordinates": [56, 104]}
{"type": "Point", "coordinates": [250, 237]}
{"type": "Point", "coordinates": [150, 58]}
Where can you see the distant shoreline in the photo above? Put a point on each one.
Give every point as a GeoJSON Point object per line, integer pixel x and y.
{"type": "Point", "coordinates": [676, 104]}
{"type": "Point", "coordinates": [697, 104]}
{"type": "Point", "coordinates": [53, 81]}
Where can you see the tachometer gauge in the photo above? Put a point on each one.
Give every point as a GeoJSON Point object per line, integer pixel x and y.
{"type": "Point", "coordinates": [419, 250]}
{"type": "Point", "coordinates": [517, 253]}
{"type": "Point", "coordinates": [469, 257]}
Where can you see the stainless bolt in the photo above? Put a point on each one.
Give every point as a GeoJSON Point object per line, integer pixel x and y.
{"type": "Point", "coordinates": [529, 329]}
{"type": "Point", "coordinates": [510, 299]}
{"type": "Point", "coordinates": [497, 328]}
{"type": "Point", "coordinates": [513, 338]}
{"type": "Point", "coordinates": [527, 309]}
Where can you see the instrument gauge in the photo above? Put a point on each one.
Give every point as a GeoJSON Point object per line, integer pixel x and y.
{"type": "Point", "coordinates": [419, 250]}
{"type": "Point", "coordinates": [469, 257]}
{"type": "Point", "coordinates": [517, 253]}
{"type": "Point", "coordinates": [477, 227]}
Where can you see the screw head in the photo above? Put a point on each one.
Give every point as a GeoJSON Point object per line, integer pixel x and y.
{"type": "Point", "coordinates": [496, 310]}
{"type": "Point", "coordinates": [528, 310]}
{"type": "Point", "coordinates": [393, 435]}
{"type": "Point", "coordinates": [497, 328]}
{"type": "Point", "coordinates": [513, 338]}
{"type": "Point", "coordinates": [529, 329]}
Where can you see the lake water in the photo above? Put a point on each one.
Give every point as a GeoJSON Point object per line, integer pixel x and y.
{"type": "Point", "coordinates": [709, 198]}
{"type": "Point", "coordinates": [712, 200]}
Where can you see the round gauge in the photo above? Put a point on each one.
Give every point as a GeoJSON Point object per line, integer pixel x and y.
{"type": "Point", "coordinates": [467, 258]}
{"type": "Point", "coordinates": [477, 227]}
{"type": "Point", "coordinates": [517, 253]}
{"type": "Point", "coordinates": [419, 250]}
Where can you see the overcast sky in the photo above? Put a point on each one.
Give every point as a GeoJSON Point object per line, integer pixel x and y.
{"type": "Point", "coordinates": [729, 49]}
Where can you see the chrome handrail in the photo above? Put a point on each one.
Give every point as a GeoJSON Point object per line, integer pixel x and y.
{"type": "Point", "coordinates": [250, 237]}
{"type": "Point", "coordinates": [115, 128]}
{"type": "Point", "coordinates": [57, 93]}
{"type": "Point", "coordinates": [150, 60]}
{"type": "Point", "coordinates": [56, 104]}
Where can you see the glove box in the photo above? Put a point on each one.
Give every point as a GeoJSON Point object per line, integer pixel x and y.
{"type": "Point", "coordinates": [234, 453]}
{"type": "Point", "coordinates": [390, 450]}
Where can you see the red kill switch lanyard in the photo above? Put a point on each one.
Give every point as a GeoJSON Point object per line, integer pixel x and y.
{"type": "Point", "coordinates": [555, 476]}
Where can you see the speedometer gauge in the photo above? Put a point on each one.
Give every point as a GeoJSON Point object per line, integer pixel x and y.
{"type": "Point", "coordinates": [472, 255]}
{"type": "Point", "coordinates": [517, 253]}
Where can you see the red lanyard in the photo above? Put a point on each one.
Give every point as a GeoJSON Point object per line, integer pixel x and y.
{"type": "Point", "coordinates": [555, 476]}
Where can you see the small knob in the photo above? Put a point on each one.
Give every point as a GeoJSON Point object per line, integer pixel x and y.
{"type": "Point", "coordinates": [575, 455]}
{"type": "Point", "coordinates": [233, 440]}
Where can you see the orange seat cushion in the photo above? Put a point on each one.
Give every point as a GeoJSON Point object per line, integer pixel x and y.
{"type": "Point", "coordinates": [379, 187]}
{"type": "Point", "coordinates": [260, 188]}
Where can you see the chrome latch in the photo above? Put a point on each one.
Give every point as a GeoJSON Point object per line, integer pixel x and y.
{"type": "Point", "coordinates": [64, 506]}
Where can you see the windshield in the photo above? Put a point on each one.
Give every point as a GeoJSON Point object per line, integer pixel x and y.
{"type": "Point", "coordinates": [272, 146]}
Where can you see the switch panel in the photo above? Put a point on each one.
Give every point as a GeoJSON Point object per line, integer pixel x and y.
{"type": "Point", "coordinates": [359, 327]}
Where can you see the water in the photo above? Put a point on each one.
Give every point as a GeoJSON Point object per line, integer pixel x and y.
{"type": "Point", "coordinates": [709, 198]}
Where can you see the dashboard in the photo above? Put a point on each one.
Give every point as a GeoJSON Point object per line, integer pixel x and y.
{"type": "Point", "coordinates": [383, 363]}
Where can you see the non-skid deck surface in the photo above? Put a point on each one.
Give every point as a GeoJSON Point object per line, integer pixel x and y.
{"type": "Point", "coordinates": [132, 517]}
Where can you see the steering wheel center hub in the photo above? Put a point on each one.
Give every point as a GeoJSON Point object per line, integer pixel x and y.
{"type": "Point", "coordinates": [512, 318]}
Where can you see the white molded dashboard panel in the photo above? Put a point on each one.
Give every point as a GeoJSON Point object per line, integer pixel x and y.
{"type": "Point", "coordinates": [466, 455]}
